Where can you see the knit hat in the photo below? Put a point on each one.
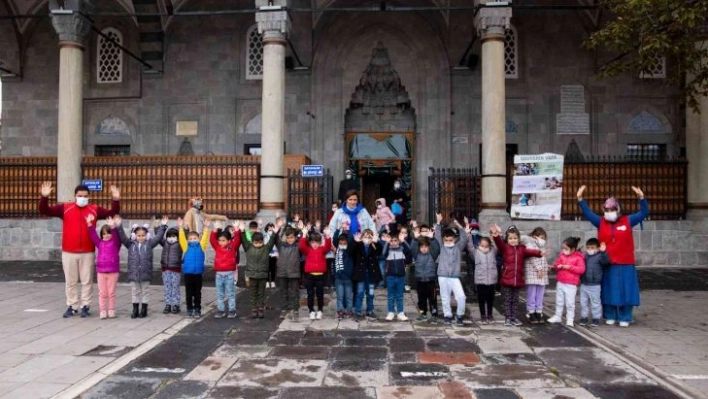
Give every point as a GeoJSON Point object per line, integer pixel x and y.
{"type": "Point", "coordinates": [474, 225]}
{"type": "Point", "coordinates": [612, 203]}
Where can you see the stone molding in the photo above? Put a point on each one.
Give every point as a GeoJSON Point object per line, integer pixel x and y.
{"type": "Point", "coordinates": [273, 24]}
{"type": "Point", "coordinates": [72, 28]}
{"type": "Point", "coordinates": [493, 21]}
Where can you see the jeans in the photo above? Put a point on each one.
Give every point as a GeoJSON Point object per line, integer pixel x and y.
{"type": "Point", "coordinates": [315, 286]}
{"type": "Point", "coordinates": [565, 297]}
{"type": "Point", "coordinates": [225, 286]}
{"type": "Point", "coordinates": [361, 288]}
{"type": "Point", "coordinates": [590, 294]}
{"type": "Point", "coordinates": [534, 297]}
{"type": "Point", "coordinates": [382, 266]}
{"type": "Point", "coordinates": [345, 294]}
{"type": "Point", "coordinates": [452, 285]}
{"type": "Point", "coordinates": [395, 293]}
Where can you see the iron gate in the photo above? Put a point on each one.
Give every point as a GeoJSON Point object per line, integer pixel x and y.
{"type": "Point", "coordinates": [310, 197]}
{"type": "Point", "coordinates": [454, 192]}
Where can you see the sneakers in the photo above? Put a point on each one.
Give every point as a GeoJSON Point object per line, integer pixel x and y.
{"type": "Point", "coordinates": [175, 309]}
{"type": "Point", "coordinates": [190, 312]}
{"type": "Point", "coordinates": [483, 319]}
{"type": "Point", "coordinates": [554, 320]}
{"type": "Point", "coordinates": [85, 311]}
{"type": "Point", "coordinates": [69, 312]}
{"type": "Point", "coordinates": [372, 316]}
{"type": "Point", "coordinates": [232, 314]}
{"type": "Point", "coordinates": [401, 317]}
{"type": "Point", "coordinates": [569, 323]}
{"type": "Point", "coordinates": [624, 324]}
{"type": "Point", "coordinates": [610, 322]}
{"type": "Point", "coordinates": [433, 319]}
{"type": "Point", "coordinates": [539, 318]}
{"type": "Point", "coordinates": [313, 315]}
{"type": "Point", "coordinates": [350, 315]}
{"type": "Point", "coordinates": [595, 323]}
{"type": "Point", "coordinates": [507, 322]}
{"type": "Point", "coordinates": [407, 288]}
{"type": "Point", "coordinates": [389, 316]}
{"type": "Point", "coordinates": [197, 313]}
{"type": "Point", "coordinates": [583, 321]}
{"type": "Point", "coordinates": [358, 317]}
{"type": "Point", "coordinates": [516, 322]}
{"type": "Point", "coordinates": [447, 320]}
{"type": "Point", "coordinates": [103, 315]}
{"type": "Point", "coordinates": [283, 314]}
{"type": "Point", "coordinates": [318, 315]}
{"type": "Point", "coordinates": [490, 319]}
{"type": "Point", "coordinates": [272, 284]}
{"type": "Point", "coordinates": [167, 309]}
{"type": "Point", "coordinates": [459, 321]}
{"type": "Point", "coordinates": [111, 314]}
{"type": "Point", "coordinates": [340, 315]}
{"type": "Point", "coordinates": [219, 314]}
{"type": "Point", "coordinates": [422, 318]}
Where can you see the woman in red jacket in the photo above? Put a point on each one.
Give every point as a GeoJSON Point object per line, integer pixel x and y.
{"type": "Point", "coordinates": [512, 273]}
{"type": "Point", "coordinates": [570, 265]}
{"type": "Point", "coordinates": [315, 252]}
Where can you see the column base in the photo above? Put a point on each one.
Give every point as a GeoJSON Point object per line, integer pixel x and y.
{"type": "Point", "coordinates": [493, 216]}
{"type": "Point", "coordinates": [697, 212]}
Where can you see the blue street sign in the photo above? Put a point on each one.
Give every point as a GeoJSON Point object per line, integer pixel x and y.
{"type": "Point", "coordinates": [312, 170]}
{"type": "Point", "coordinates": [93, 184]}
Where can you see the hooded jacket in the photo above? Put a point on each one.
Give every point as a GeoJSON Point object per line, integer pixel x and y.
{"type": "Point", "coordinates": [193, 252]}
{"type": "Point", "coordinates": [513, 266]}
{"type": "Point", "coordinates": [485, 269]}
{"type": "Point", "coordinates": [108, 257]}
{"type": "Point", "coordinates": [171, 258]}
{"type": "Point", "coordinates": [140, 254]}
{"type": "Point", "coordinates": [425, 267]}
{"type": "Point", "coordinates": [576, 261]}
{"type": "Point", "coordinates": [366, 263]}
{"type": "Point", "coordinates": [396, 259]}
{"type": "Point", "coordinates": [225, 258]}
{"type": "Point", "coordinates": [257, 261]}
{"type": "Point", "coordinates": [534, 265]}
{"type": "Point", "coordinates": [288, 257]}
{"type": "Point", "coordinates": [384, 215]}
{"type": "Point", "coordinates": [450, 258]}
{"type": "Point", "coordinates": [315, 258]}
{"type": "Point", "coordinates": [594, 265]}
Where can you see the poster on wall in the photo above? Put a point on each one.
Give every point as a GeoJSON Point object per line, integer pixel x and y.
{"type": "Point", "coordinates": [537, 187]}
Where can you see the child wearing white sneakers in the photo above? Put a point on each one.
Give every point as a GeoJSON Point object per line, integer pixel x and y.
{"type": "Point", "coordinates": [396, 253]}
{"type": "Point", "coordinates": [570, 265]}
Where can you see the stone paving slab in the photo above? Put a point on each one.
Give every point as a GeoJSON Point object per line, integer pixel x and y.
{"type": "Point", "coordinates": [211, 369]}
{"type": "Point", "coordinates": [350, 353]}
{"type": "Point", "coordinates": [301, 352]}
{"type": "Point", "coordinates": [123, 387]}
{"type": "Point", "coordinates": [455, 390]}
{"type": "Point", "coordinates": [448, 358]}
{"type": "Point", "coordinates": [184, 390]}
{"type": "Point", "coordinates": [357, 373]}
{"type": "Point", "coordinates": [236, 392]}
{"type": "Point", "coordinates": [418, 374]}
{"type": "Point", "coordinates": [451, 345]}
{"type": "Point", "coordinates": [284, 338]}
{"type": "Point", "coordinates": [630, 392]}
{"type": "Point", "coordinates": [328, 393]}
{"type": "Point", "coordinates": [495, 376]}
{"type": "Point", "coordinates": [502, 343]}
{"type": "Point", "coordinates": [497, 393]}
{"type": "Point", "coordinates": [241, 351]}
{"type": "Point", "coordinates": [409, 392]}
{"type": "Point", "coordinates": [175, 357]}
{"type": "Point", "coordinates": [275, 373]}
{"type": "Point", "coordinates": [545, 393]}
{"type": "Point", "coordinates": [524, 359]}
{"type": "Point", "coordinates": [406, 344]}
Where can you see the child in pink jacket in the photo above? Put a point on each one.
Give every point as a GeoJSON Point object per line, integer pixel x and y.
{"type": "Point", "coordinates": [384, 217]}
{"type": "Point", "coordinates": [107, 265]}
{"type": "Point", "coordinates": [570, 265]}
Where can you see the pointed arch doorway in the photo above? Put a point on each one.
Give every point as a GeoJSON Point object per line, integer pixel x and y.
{"type": "Point", "coordinates": [380, 127]}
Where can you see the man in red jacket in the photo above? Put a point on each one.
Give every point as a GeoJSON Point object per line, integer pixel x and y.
{"type": "Point", "coordinates": [77, 249]}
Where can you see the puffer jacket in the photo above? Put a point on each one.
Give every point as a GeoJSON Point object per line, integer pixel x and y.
{"type": "Point", "coordinates": [315, 259]}
{"type": "Point", "coordinates": [193, 253]}
{"type": "Point", "coordinates": [171, 258]}
{"type": "Point", "coordinates": [224, 258]}
{"type": "Point", "coordinates": [343, 264]}
{"type": "Point", "coordinates": [450, 258]}
{"type": "Point", "coordinates": [513, 267]}
{"type": "Point", "coordinates": [396, 259]}
{"type": "Point", "coordinates": [576, 261]}
{"type": "Point", "coordinates": [485, 270]}
{"type": "Point", "coordinates": [425, 266]}
{"type": "Point", "coordinates": [534, 265]}
{"type": "Point", "coordinates": [365, 264]}
{"type": "Point", "coordinates": [140, 255]}
{"type": "Point", "coordinates": [384, 215]}
{"type": "Point", "coordinates": [108, 257]}
{"type": "Point", "coordinates": [257, 259]}
{"type": "Point", "coordinates": [288, 258]}
{"type": "Point", "coordinates": [593, 268]}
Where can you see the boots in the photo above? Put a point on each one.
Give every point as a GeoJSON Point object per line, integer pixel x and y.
{"type": "Point", "coordinates": [136, 309]}
{"type": "Point", "coordinates": [167, 309]}
{"type": "Point", "coordinates": [144, 311]}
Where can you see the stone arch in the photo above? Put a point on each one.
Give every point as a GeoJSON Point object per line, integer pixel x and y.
{"type": "Point", "coordinates": [255, 125]}
{"type": "Point", "coordinates": [647, 120]}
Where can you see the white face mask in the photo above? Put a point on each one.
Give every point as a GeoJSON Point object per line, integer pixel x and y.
{"type": "Point", "coordinates": [171, 240]}
{"type": "Point", "coordinates": [366, 241]}
{"type": "Point", "coordinates": [484, 250]}
{"type": "Point", "coordinates": [449, 245]}
{"type": "Point", "coordinates": [541, 242]}
{"type": "Point", "coordinates": [379, 206]}
{"type": "Point", "coordinates": [566, 252]}
{"type": "Point", "coordinates": [475, 232]}
{"type": "Point", "coordinates": [82, 201]}
{"type": "Point", "coordinates": [342, 247]}
{"type": "Point", "coordinates": [397, 186]}
{"type": "Point", "coordinates": [592, 251]}
{"type": "Point", "coordinates": [334, 209]}
{"type": "Point", "coordinates": [611, 216]}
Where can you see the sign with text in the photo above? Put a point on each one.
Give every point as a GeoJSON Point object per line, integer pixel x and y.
{"type": "Point", "coordinates": [312, 170]}
{"type": "Point", "coordinates": [537, 187]}
{"type": "Point", "coordinates": [93, 184]}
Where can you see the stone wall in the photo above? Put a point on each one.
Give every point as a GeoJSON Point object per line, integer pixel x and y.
{"type": "Point", "coordinates": [659, 244]}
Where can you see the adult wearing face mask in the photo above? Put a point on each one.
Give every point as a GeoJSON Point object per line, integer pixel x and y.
{"type": "Point", "coordinates": [620, 286]}
{"type": "Point", "coordinates": [400, 202]}
{"type": "Point", "coordinates": [349, 183]}
{"type": "Point", "coordinates": [77, 256]}
{"type": "Point", "coordinates": [195, 215]}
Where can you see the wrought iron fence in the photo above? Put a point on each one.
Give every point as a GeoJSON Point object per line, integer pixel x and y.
{"type": "Point", "coordinates": [310, 197]}
{"type": "Point", "coordinates": [454, 192]}
{"type": "Point", "coordinates": [150, 186]}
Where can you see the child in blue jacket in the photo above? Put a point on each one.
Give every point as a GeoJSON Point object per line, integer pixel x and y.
{"type": "Point", "coordinates": [343, 268]}
{"type": "Point", "coordinates": [193, 266]}
{"type": "Point", "coordinates": [397, 255]}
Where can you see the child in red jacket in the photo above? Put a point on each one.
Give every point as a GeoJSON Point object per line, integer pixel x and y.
{"type": "Point", "coordinates": [512, 272]}
{"type": "Point", "coordinates": [570, 265]}
{"type": "Point", "coordinates": [225, 247]}
{"type": "Point", "coordinates": [315, 251]}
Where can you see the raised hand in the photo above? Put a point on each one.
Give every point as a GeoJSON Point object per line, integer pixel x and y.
{"type": "Point", "coordinates": [638, 191]}
{"type": "Point", "coordinates": [155, 222]}
{"type": "Point", "coordinates": [468, 230]}
{"type": "Point", "coordinates": [46, 189]}
{"type": "Point", "coordinates": [357, 237]}
{"type": "Point", "coordinates": [296, 217]}
{"type": "Point", "coordinates": [260, 222]}
{"type": "Point", "coordinates": [402, 236]}
{"type": "Point", "coordinates": [89, 219]}
{"type": "Point", "coordinates": [180, 222]}
{"type": "Point", "coordinates": [414, 224]}
{"type": "Point", "coordinates": [580, 192]}
{"type": "Point", "coordinates": [467, 221]}
{"type": "Point", "coordinates": [438, 218]}
{"type": "Point", "coordinates": [117, 220]}
{"type": "Point", "coordinates": [416, 233]}
{"type": "Point", "coordinates": [110, 222]}
{"type": "Point", "coordinates": [164, 220]}
{"type": "Point", "coordinates": [603, 247]}
{"type": "Point", "coordinates": [327, 231]}
{"type": "Point", "coordinates": [218, 225]}
{"type": "Point", "coordinates": [300, 224]}
{"type": "Point", "coordinates": [207, 222]}
{"type": "Point", "coordinates": [279, 222]}
{"type": "Point", "coordinates": [429, 234]}
{"type": "Point", "coordinates": [115, 192]}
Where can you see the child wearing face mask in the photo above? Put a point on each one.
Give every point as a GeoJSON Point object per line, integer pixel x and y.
{"type": "Point", "coordinates": [485, 278]}
{"type": "Point", "coordinates": [171, 265]}
{"type": "Point", "coordinates": [535, 276]}
{"type": "Point", "coordinates": [449, 269]}
{"type": "Point", "coordinates": [472, 245]}
{"type": "Point", "coordinates": [396, 254]}
{"type": "Point", "coordinates": [107, 265]}
{"type": "Point", "coordinates": [366, 274]}
{"type": "Point", "coordinates": [596, 259]}
{"type": "Point", "coordinates": [315, 251]}
{"type": "Point", "coordinates": [272, 257]}
{"type": "Point", "coordinates": [257, 254]}
{"type": "Point", "coordinates": [383, 216]}
{"type": "Point", "coordinates": [570, 265]}
{"type": "Point", "coordinates": [425, 253]}
{"type": "Point", "coordinates": [140, 263]}
{"type": "Point", "coordinates": [225, 246]}
{"type": "Point", "coordinates": [512, 271]}
{"type": "Point", "coordinates": [193, 266]}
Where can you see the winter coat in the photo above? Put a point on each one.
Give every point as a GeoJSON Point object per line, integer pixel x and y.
{"type": "Point", "coordinates": [513, 267]}
{"type": "Point", "coordinates": [257, 261]}
{"type": "Point", "coordinates": [363, 217]}
{"type": "Point", "coordinates": [425, 266]}
{"type": "Point", "coordinates": [384, 215]}
{"type": "Point", "coordinates": [171, 258]}
{"type": "Point", "coordinates": [288, 258]}
{"type": "Point", "coordinates": [533, 265]}
{"type": "Point", "coordinates": [75, 238]}
{"type": "Point", "coordinates": [193, 253]}
{"type": "Point", "coordinates": [140, 255]}
{"type": "Point", "coordinates": [594, 265]}
{"type": "Point", "coordinates": [224, 258]}
{"type": "Point", "coordinates": [315, 258]}
{"type": "Point", "coordinates": [396, 259]}
{"type": "Point", "coordinates": [108, 256]}
{"type": "Point", "coordinates": [450, 258]}
{"type": "Point", "coordinates": [365, 264]}
{"type": "Point", "coordinates": [576, 261]}
{"type": "Point", "coordinates": [343, 264]}
{"type": "Point", "coordinates": [485, 270]}
{"type": "Point", "coordinates": [192, 214]}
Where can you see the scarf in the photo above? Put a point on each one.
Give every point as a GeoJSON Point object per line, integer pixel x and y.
{"type": "Point", "coordinates": [354, 220]}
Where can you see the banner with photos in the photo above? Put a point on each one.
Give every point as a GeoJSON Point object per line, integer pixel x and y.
{"type": "Point", "coordinates": [537, 187]}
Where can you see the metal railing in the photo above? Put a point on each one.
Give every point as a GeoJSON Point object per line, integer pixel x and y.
{"type": "Point", "coordinates": [454, 192]}
{"type": "Point", "coordinates": [310, 197]}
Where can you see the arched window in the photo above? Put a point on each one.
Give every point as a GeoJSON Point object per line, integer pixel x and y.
{"type": "Point", "coordinates": [109, 58]}
{"type": "Point", "coordinates": [511, 63]}
{"type": "Point", "coordinates": [254, 54]}
{"type": "Point", "coordinates": [657, 69]}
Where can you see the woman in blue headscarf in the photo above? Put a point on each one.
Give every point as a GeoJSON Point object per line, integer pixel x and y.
{"type": "Point", "coordinates": [352, 216]}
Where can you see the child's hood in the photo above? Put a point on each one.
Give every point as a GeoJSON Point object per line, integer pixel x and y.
{"type": "Point", "coordinates": [382, 201]}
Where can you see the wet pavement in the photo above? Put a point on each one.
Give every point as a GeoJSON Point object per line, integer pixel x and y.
{"type": "Point", "coordinates": [274, 358]}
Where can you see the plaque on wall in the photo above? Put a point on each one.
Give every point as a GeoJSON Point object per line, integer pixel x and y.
{"type": "Point", "coordinates": [572, 119]}
{"type": "Point", "coordinates": [187, 128]}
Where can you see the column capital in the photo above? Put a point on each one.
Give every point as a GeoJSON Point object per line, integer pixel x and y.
{"type": "Point", "coordinates": [492, 21]}
{"type": "Point", "coordinates": [71, 26]}
{"type": "Point", "coordinates": [273, 25]}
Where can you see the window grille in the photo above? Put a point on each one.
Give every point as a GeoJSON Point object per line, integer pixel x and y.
{"type": "Point", "coordinates": [647, 151]}
{"type": "Point", "coordinates": [254, 54]}
{"type": "Point", "coordinates": [109, 58]}
{"type": "Point", "coordinates": [511, 64]}
{"type": "Point", "coordinates": [657, 68]}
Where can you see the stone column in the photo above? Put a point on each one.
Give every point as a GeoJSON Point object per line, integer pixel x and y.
{"type": "Point", "coordinates": [273, 24]}
{"type": "Point", "coordinates": [491, 23]}
{"type": "Point", "coordinates": [697, 155]}
{"type": "Point", "coordinates": [72, 29]}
